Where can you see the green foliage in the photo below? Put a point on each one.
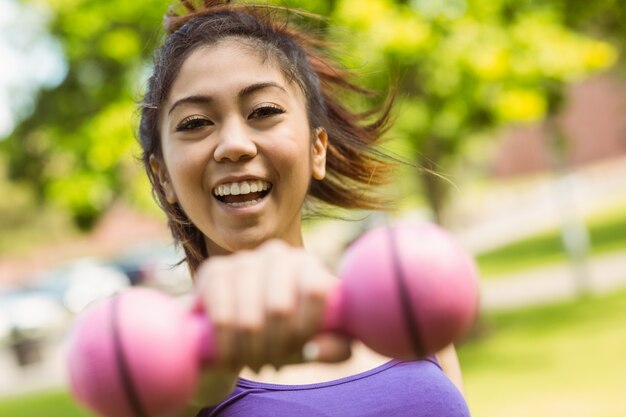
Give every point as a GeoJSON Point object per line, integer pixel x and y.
{"type": "Point", "coordinates": [464, 68]}
{"type": "Point", "coordinates": [22, 222]}
{"type": "Point", "coordinates": [602, 18]}
{"type": "Point", "coordinates": [468, 68]}
{"type": "Point", "coordinates": [78, 148]}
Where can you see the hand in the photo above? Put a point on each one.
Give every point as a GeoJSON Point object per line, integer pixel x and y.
{"type": "Point", "coordinates": [266, 305]}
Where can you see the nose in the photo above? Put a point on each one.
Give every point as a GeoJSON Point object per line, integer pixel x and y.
{"type": "Point", "coordinates": [235, 142]}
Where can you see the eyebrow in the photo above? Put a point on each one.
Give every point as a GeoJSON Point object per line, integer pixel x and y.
{"type": "Point", "coordinates": [260, 86]}
{"type": "Point", "coordinates": [206, 99]}
{"type": "Point", "coordinates": [195, 99]}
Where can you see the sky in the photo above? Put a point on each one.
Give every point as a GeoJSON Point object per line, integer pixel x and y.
{"type": "Point", "coordinates": [30, 59]}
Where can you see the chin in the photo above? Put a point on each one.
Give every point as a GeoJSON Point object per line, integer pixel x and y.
{"type": "Point", "coordinates": [231, 246]}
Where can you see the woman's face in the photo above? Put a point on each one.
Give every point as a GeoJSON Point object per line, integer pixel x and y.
{"type": "Point", "coordinates": [238, 150]}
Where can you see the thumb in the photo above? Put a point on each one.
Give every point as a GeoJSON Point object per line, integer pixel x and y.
{"type": "Point", "coordinates": [327, 348]}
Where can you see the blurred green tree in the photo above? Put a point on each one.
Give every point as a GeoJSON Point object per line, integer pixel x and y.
{"type": "Point", "coordinates": [465, 68]}
{"type": "Point", "coordinates": [77, 147]}
{"type": "Point", "coordinates": [601, 18]}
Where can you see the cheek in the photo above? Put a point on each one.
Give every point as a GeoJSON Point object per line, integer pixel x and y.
{"type": "Point", "coordinates": [185, 168]}
{"type": "Point", "coordinates": [292, 159]}
{"type": "Point", "coordinates": [296, 150]}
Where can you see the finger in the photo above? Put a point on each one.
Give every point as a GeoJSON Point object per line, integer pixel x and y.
{"type": "Point", "coordinates": [218, 298]}
{"type": "Point", "coordinates": [315, 288]}
{"type": "Point", "coordinates": [250, 311]}
{"type": "Point", "coordinates": [281, 299]}
{"type": "Point", "coordinates": [327, 347]}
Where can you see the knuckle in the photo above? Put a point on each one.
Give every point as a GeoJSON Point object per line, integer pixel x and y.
{"type": "Point", "coordinates": [316, 289]}
{"type": "Point", "coordinates": [221, 324]}
{"type": "Point", "coordinates": [250, 326]}
{"type": "Point", "coordinates": [280, 312]}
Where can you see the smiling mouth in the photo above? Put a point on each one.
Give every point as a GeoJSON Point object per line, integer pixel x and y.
{"type": "Point", "coordinates": [242, 193]}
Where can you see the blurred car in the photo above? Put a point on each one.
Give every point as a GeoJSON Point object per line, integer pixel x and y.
{"type": "Point", "coordinates": [156, 265]}
{"type": "Point", "coordinates": [81, 282]}
{"type": "Point", "coordinates": [28, 319]}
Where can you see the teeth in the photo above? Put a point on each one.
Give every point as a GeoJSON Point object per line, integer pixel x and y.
{"type": "Point", "coordinates": [241, 188]}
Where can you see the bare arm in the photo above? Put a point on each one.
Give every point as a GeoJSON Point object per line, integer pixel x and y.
{"type": "Point", "coordinates": [450, 363]}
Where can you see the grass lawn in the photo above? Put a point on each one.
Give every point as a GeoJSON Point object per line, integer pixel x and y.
{"type": "Point", "coordinates": [560, 360]}
{"type": "Point", "coordinates": [606, 233]}
{"type": "Point", "coordinates": [51, 404]}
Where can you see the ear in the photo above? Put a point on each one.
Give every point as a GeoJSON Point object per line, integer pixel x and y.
{"type": "Point", "coordinates": [158, 168]}
{"type": "Point", "coordinates": [318, 155]}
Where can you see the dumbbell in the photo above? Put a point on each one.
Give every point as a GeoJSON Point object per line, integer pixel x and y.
{"type": "Point", "coordinates": [406, 291]}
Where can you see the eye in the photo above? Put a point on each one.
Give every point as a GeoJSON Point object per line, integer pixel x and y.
{"type": "Point", "coordinates": [192, 123]}
{"type": "Point", "coordinates": [265, 111]}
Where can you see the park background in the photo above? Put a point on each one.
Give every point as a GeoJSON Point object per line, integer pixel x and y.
{"type": "Point", "coordinates": [514, 112]}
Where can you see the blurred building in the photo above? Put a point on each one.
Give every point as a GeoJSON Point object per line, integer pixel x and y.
{"type": "Point", "coordinates": [526, 195]}
{"type": "Point", "coordinates": [120, 228]}
{"type": "Point", "coordinates": [593, 122]}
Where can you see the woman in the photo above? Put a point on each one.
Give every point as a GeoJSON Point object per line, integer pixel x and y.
{"type": "Point", "coordinates": [240, 126]}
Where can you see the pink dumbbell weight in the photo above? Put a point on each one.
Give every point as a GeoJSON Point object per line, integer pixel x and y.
{"type": "Point", "coordinates": [406, 291]}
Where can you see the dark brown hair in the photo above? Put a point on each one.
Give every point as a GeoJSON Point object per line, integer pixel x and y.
{"type": "Point", "coordinates": [353, 164]}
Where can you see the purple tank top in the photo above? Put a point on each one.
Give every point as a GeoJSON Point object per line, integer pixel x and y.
{"type": "Point", "coordinates": [396, 388]}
